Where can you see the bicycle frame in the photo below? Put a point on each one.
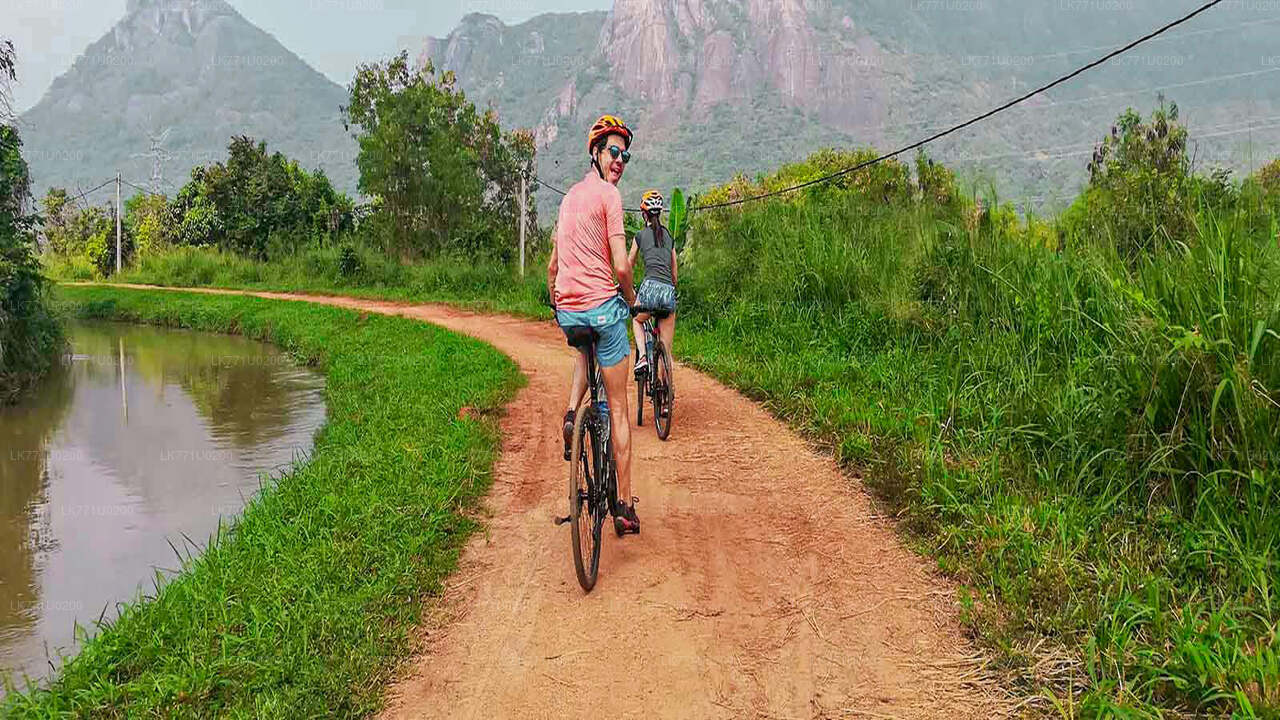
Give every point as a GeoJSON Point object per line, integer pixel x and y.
{"type": "Point", "coordinates": [650, 327]}
{"type": "Point", "coordinates": [601, 425]}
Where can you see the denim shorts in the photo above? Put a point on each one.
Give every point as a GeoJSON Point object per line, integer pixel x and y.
{"type": "Point", "coordinates": [657, 297]}
{"type": "Point", "coordinates": [609, 319]}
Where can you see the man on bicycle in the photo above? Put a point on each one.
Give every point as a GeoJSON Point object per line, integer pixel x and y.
{"type": "Point", "coordinates": [590, 249]}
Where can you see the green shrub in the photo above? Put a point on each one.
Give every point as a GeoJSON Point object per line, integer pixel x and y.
{"type": "Point", "coordinates": [1141, 194]}
{"type": "Point", "coordinates": [349, 262]}
{"type": "Point", "coordinates": [30, 337]}
{"type": "Point", "coordinates": [258, 204]}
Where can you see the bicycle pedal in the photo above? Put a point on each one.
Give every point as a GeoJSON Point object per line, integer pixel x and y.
{"type": "Point", "coordinates": [563, 520]}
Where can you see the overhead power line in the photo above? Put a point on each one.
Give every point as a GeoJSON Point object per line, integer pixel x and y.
{"type": "Point", "coordinates": [135, 186]}
{"type": "Point", "coordinates": [1070, 150]}
{"type": "Point", "coordinates": [562, 193]}
{"type": "Point", "coordinates": [1056, 104]}
{"type": "Point", "coordinates": [549, 186]}
{"type": "Point", "coordinates": [82, 195]}
{"type": "Point", "coordinates": [990, 113]}
{"type": "Point", "coordinates": [1181, 36]}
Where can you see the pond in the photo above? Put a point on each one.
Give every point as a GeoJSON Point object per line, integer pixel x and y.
{"type": "Point", "coordinates": [144, 438]}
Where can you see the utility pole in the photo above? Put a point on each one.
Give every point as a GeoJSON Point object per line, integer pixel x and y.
{"type": "Point", "coordinates": [119, 212]}
{"type": "Point", "coordinates": [524, 212]}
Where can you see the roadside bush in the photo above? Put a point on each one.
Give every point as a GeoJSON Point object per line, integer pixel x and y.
{"type": "Point", "coordinates": [1141, 194]}
{"type": "Point", "coordinates": [30, 337]}
{"type": "Point", "coordinates": [84, 236]}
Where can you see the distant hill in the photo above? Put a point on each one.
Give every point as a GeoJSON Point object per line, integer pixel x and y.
{"type": "Point", "coordinates": [194, 72]}
{"type": "Point", "coordinates": [720, 86]}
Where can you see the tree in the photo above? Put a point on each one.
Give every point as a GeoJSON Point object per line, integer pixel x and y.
{"type": "Point", "coordinates": [937, 182]}
{"type": "Point", "coordinates": [87, 234]}
{"type": "Point", "coordinates": [444, 176]}
{"type": "Point", "coordinates": [257, 204]}
{"type": "Point", "coordinates": [1140, 185]}
{"type": "Point", "coordinates": [56, 218]}
{"type": "Point", "coordinates": [146, 221]}
{"type": "Point", "coordinates": [8, 75]}
{"type": "Point", "coordinates": [29, 336]}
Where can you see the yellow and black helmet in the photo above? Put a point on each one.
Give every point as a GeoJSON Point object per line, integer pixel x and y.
{"type": "Point", "coordinates": [653, 202]}
{"type": "Point", "coordinates": [604, 127]}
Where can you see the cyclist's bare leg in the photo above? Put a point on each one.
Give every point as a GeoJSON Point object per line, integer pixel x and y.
{"type": "Point", "coordinates": [638, 326]}
{"type": "Point", "coordinates": [578, 388]}
{"type": "Point", "coordinates": [615, 385]}
{"type": "Point", "coordinates": [667, 329]}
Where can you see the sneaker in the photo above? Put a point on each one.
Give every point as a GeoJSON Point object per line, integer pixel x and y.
{"type": "Point", "coordinates": [642, 366]}
{"type": "Point", "coordinates": [626, 522]}
{"type": "Point", "coordinates": [569, 418]}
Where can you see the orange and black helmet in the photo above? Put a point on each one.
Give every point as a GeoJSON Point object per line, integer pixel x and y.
{"type": "Point", "coordinates": [653, 202]}
{"type": "Point", "coordinates": [604, 127]}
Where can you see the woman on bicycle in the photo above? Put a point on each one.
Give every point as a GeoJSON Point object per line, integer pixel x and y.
{"type": "Point", "coordinates": [657, 293]}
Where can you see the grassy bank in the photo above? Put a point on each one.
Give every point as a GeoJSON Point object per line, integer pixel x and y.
{"type": "Point", "coordinates": [304, 607]}
{"type": "Point", "coordinates": [354, 271]}
{"type": "Point", "coordinates": [1089, 441]}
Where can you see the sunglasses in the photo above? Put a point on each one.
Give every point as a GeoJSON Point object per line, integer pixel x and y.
{"type": "Point", "coordinates": [616, 152]}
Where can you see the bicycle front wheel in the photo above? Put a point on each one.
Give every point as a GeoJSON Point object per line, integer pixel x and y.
{"type": "Point", "coordinates": [584, 501]}
{"type": "Point", "coordinates": [664, 393]}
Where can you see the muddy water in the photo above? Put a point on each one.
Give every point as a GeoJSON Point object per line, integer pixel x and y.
{"type": "Point", "coordinates": [143, 437]}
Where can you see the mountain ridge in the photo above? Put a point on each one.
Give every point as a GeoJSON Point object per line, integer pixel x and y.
{"type": "Point", "coordinates": [713, 87]}
{"type": "Point", "coordinates": [725, 86]}
{"type": "Point", "coordinates": [194, 73]}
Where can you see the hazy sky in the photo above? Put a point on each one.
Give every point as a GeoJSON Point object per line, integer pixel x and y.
{"type": "Point", "coordinates": [331, 35]}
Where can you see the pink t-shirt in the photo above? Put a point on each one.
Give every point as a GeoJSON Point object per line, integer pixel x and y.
{"type": "Point", "coordinates": [590, 215]}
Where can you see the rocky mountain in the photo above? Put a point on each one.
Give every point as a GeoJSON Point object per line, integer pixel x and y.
{"type": "Point", "coordinates": [168, 87]}
{"type": "Point", "coordinates": [716, 87]}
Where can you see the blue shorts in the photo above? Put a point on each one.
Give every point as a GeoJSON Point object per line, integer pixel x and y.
{"type": "Point", "coordinates": [610, 322]}
{"type": "Point", "coordinates": [656, 297]}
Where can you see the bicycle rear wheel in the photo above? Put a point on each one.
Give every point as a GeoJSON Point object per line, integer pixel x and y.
{"type": "Point", "coordinates": [585, 506]}
{"type": "Point", "coordinates": [664, 394]}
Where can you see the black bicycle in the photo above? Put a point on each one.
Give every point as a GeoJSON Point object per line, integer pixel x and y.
{"type": "Point", "coordinates": [656, 381]}
{"type": "Point", "coordinates": [593, 472]}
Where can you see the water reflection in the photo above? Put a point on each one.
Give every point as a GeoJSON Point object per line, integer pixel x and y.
{"type": "Point", "coordinates": [144, 436]}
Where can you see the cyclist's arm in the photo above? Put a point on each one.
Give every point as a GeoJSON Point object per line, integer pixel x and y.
{"type": "Point", "coordinates": [616, 230]}
{"type": "Point", "coordinates": [635, 252]}
{"type": "Point", "coordinates": [622, 268]}
{"type": "Point", "coordinates": [553, 269]}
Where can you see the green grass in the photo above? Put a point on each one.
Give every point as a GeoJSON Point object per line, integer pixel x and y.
{"type": "Point", "coordinates": [479, 285]}
{"type": "Point", "coordinates": [1090, 444]}
{"type": "Point", "coordinates": [306, 605]}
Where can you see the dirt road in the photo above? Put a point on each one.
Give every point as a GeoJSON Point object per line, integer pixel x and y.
{"type": "Point", "coordinates": [763, 585]}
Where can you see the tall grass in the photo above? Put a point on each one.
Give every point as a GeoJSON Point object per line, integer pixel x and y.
{"type": "Point", "coordinates": [1092, 444]}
